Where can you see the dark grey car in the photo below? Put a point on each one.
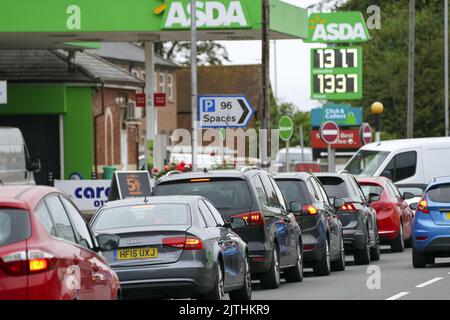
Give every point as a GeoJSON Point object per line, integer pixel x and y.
{"type": "Point", "coordinates": [175, 247]}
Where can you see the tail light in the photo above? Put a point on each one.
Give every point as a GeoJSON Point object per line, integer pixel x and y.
{"type": "Point", "coordinates": [348, 207]}
{"type": "Point", "coordinates": [21, 263]}
{"type": "Point", "coordinates": [183, 243]}
{"type": "Point", "coordinates": [252, 218]}
{"type": "Point", "coordinates": [387, 206]}
{"type": "Point", "coordinates": [310, 210]}
{"type": "Point", "coordinates": [423, 206]}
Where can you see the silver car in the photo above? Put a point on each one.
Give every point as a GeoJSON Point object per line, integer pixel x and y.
{"type": "Point", "coordinates": [175, 247]}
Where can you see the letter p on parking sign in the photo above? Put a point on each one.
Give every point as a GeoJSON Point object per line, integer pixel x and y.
{"type": "Point", "coordinates": [209, 105]}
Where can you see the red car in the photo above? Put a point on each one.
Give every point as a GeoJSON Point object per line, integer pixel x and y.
{"type": "Point", "coordinates": [47, 252]}
{"type": "Point", "coordinates": [393, 213]}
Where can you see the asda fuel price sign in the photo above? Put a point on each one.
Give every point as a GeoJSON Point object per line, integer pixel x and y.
{"type": "Point", "coordinates": [336, 73]}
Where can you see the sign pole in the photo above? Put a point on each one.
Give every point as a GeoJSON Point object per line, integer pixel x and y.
{"type": "Point", "coordinates": [331, 159]}
{"type": "Point", "coordinates": [447, 133]}
{"type": "Point", "coordinates": [194, 82]}
{"type": "Point", "coordinates": [287, 156]}
{"type": "Point", "coordinates": [150, 112]}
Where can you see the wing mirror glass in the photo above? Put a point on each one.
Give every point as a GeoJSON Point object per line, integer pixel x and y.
{"type": "Point", "coordinates": [295, 207]}
{"type": "Point", "coordinates": [408, 196]}
{"type": "Point", "coordinates": [373, 197]}
{"type": "Point", "coordinates": [337, 203]}
{"type": "Point", "coordinates": [237, 223]}
{"type": "Point", "coordinates": [107, 242]}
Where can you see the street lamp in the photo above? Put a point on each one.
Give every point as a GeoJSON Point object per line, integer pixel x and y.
{"type": "Point", "coordinates": [377, 109]}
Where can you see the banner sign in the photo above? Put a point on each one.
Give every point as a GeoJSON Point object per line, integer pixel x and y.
{"type": "Point", "coordinates": [130, 184]}
{"type": "Point", "coordinates": [88, 195]}
{"type": "Point", "coordinates": [342, 114]}
{"type": "Point", "coordinates": [348, 139]}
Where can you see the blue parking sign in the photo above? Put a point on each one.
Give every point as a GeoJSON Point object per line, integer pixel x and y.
{"type": "Point", "coordinates": [209, 105]}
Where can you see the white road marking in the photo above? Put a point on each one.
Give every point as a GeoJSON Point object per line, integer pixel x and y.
{"type": "Point", "coordinates": [398, 296]}
{"type": "Point", "coordinates": [423, 285]}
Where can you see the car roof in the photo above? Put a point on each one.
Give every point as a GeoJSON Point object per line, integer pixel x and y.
{"type": "Point", "coordinates": [394, 145]}
{"type": "Point", "coordinates": [29, 195]}
{"type": "Point", "coordinates": [332, 175]}
{"type": "Point", "coordinates": [439, 180]}
{"type": "Point", "coordinates": [293, 176]}
{"type": "Point", "coordinates": [377, 180]}
{"type": "Point", "coordinates": [209, 174]}
{"type": "Point", "coordinates": [153, 200]}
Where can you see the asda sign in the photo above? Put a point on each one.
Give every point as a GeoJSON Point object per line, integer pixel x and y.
{"type": "Point", "coordinates": [338, 27]}
{"type": "Point", "coordinates": [211, 14]}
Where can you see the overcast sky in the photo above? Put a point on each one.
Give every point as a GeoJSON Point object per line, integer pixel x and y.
{"type": "Point", "coordinates": [293, 64]}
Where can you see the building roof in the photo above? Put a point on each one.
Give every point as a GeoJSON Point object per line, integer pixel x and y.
{"type": "Point", "coordinates": [126, 51]}
{"type": "Point", "coordinates": [51, 66]}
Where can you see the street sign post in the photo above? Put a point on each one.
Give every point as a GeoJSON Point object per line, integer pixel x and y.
{"type": "Point", "coordinates": [329, 132]}
{"type": "Point", "coordinates": [286, 128]}
{"type": "Point", "coordinates": [3, 92]}
{"type": "Point", "coordinates": [224, 112]}
{"type": "Point", "coordinates": [365, 134]}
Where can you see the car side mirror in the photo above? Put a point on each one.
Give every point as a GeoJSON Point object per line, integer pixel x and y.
{"type": "Point", "coordinates": [34, 166]}
{"type": "Point", "coordinates": [337, 203]}
{"type": "Point", "coordinates": [387, 174]}
{"type": "Point", "coordinates": [373, 197]}
{"type": "Point", "coordinates": [237, 223]}
{"type": "Point", "coordinates": [107, 242]}
{"type": "Point", "coordinates": [295, 207]}
{"type": "Point", "coordinates": [408, 196]}
{"type": "Point", "coordinates": [414, 206]}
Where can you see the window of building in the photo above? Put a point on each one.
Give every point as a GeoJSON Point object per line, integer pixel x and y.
{"type": "Point", "coordinates": [170, 94]}
{"type": "Point", "coordinates": [162, 83]}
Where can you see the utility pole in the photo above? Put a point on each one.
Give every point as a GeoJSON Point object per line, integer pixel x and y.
{"type": "Point", "coordinates": [447, 133]}
{"type": "Point", "coordinates": [194, 82]}
{"type": "Point", "coordinates": [412, 44]}
{"type": "Point", "coordinates": [265, 79]}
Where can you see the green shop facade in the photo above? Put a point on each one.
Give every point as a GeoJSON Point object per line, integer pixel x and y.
{"type": "Point", "coordinates": [63, 111]}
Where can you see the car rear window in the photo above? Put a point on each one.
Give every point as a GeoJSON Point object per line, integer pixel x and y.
{"type": "Point", "coordinates": [143, 216]}
{"type": "Point", "coordinates": [224, 194]}
{"type": "Point", "coordinates": [335, 187]}
{"type": "Point", "coordinates": [14, 226]}
{"type": "Point", "coordinates": [295, 191]}
{"type": "Point", "coordinates": [440, 193]}
{"type": "Point", "coordinates": [371, 188]}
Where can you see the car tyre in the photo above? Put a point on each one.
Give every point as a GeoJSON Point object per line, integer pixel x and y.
{"type": "Point", "coordinates": [323, 267]}
{"type": "Point", "coordinates": [217, 292]}
{"type": "Point", "coordinates": [420, 259]}
{"type": "Point", "coordinates": [339, 265]}
{"type": "Point", "coordinates": [272, 278]}
{"type": "Point", "coordinates": [295, 274]}
{"type": "Point", "coordinates": [362, 256]}
{"type": "Point", "coordinates": [398, 245]}
{"type": "Point", "coordinates": [245, 293]}
{"type": "Point", "coordinates": [375, 252]}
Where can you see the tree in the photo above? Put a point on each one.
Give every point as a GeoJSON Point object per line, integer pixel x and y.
{"type": "Point", "coordinates": [209, 52]}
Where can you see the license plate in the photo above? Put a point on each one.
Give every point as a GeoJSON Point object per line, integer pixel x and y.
{"type": "Point", "coordinates": [136, 254]}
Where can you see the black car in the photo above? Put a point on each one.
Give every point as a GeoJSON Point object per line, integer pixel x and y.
{"type": "Point", "coordinates": [272, 234]}
{"type": "Point", "coordinates": [358, 218]}
{"type": "Point", "coordinates": [323, 245]}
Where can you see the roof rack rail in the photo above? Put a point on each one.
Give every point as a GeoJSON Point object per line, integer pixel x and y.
{"type": "Point", "coordinates": [170, 173]}
{"type": "Point", "coordinates": [249, 168]}
{"type": "Point", "coordinates": [343, 171]}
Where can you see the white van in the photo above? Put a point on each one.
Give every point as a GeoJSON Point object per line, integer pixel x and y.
{"type": "Point", "coordinates": [414, 161]}
{"type": "Point", "coordinates": [15, 165]}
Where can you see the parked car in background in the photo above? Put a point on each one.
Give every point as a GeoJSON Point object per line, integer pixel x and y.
{"type": "Point", "coordinates": [175, 247]}
{"type": "Point", "coordinates": [323, 244]}
{"type": "Point", "coordinates": [358, 218]}
{"type": "Point", "coordinates": [272, 234]}
{"type": "Point", "coordinates": [297, 155]}
{"type": "Point", "coordinates": [47, 252]}
{"type": "Point", "coordinates": [414, 161]}
{"type": "Point", "coordinates": [431, 226]}
{"type": "Point", "coordinates": [393, 212]}
{"type": "Point", "coordinates": [16, 167]}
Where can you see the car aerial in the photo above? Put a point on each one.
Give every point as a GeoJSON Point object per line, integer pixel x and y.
{"type": "Point", "coordinates": [431, 225]}
{"type": "Point", "coordinates": [47, 252]}
{"type": "Point", "coordinates": [273, 236]}
{"type": "Point", "coordinates": [323, 244]}
{"type": "Point", "coordinates": [358, 218]}
{"type": "Point", "coordinates": [175, 247]}
{"type": "Point", "coordinates": [393, 212]}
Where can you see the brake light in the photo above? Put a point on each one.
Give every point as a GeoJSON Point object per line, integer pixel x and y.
{"type": "Point", "coordinates": [19, 263]}
{"type": "Point", "coordinates": [349, 207]}
{"type": "Point", "coordinates": [252, 218]}
{"type": "Point", "coordinates": [309, 209]}
{"type": "Point", "coordinates": [183, 243]}
{"type": "Point", "coordinates": [387, 206]}
{"type": "Point", "coordinates": [423, 206]}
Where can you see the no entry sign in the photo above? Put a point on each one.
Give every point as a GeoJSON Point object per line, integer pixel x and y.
{"type": "Point", "coordinates": [329, 132]}
{"type": "Point", "coordinates": [365, 134]}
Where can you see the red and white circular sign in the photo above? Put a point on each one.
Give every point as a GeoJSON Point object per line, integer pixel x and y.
{"type": "Point", "coordinates": [365, 134]}
{"type": "Point", "coordinates": [329, 132]}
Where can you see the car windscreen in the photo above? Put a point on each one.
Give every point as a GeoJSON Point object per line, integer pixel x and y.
{"type": "Point", "coordinates": [14, 226]}
{"type": "Point", "coordinates": [295, 191]}
{"type": "Point", "coordinates": [225, 194]}
{"type": "Point", "coordinates": [143, 216]}
{"type": "Point", "coordinates": [335, 187]}
{"type": "Point", "coordinates": [365, 163]}
{"type": "Point", "coordinates": [12, 157]}
{"type": "Point", "coordinates": [371, 188]}
{"type": "Point", "coordinates": [439, 193]}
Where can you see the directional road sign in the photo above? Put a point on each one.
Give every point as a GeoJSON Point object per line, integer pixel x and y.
{"type": "Point", "coordinates": [365, 133]}
{"type": "Point", "coordinates": [329, 132]}
{"type": "Point", "coordinates": [224, 111]}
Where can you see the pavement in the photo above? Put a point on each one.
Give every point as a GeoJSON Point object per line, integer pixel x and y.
{"type": "Point", "coordinates": [391, 278]}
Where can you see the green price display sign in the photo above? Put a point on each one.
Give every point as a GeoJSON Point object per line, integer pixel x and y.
{"type": "Point", "coordinates": [336, 73]}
